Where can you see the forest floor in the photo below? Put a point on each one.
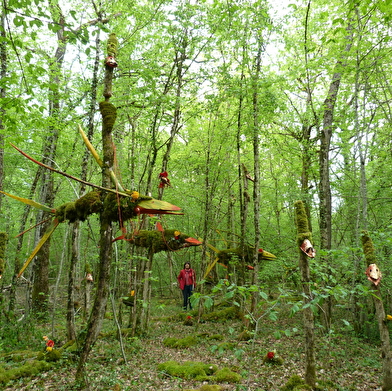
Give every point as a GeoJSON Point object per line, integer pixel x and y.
{"type": "Point", "coordinates": [344, 362]}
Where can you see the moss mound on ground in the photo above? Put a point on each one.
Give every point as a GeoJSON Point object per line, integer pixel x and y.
{"type": "Point", "coordinates": [30, 368]}
{"type": "Point", "coordinates": [225, 375]}
{"type": "Point", "coordinates": [296, 383]}
{"type": "Point", "coordinates": [185, 342]}
{"type": "Point", "coordinates": [199, 371]}
{"type": "Point", "coordinates": [224, 314]}
{"type": "Point", "coordinates": [188, 370]}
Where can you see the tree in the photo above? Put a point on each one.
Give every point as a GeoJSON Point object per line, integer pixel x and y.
{"type": "Point", "coordinates": [108, 112]}
{"type": "Point", "coordinates": [303, 234]}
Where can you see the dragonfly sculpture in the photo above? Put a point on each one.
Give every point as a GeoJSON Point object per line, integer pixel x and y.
{"type": "Point", "coordinates": [117, 204]}
{"type": "Point", "coordinates": [224, 257]}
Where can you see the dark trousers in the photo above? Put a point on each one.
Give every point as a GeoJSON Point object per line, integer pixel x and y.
{"type": "Point", "coordinates": [187, 293]}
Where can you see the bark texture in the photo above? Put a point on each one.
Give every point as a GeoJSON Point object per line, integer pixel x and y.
{"type": "Point", "coordinates": [303, 233]}
{"type": "Point", "coordinates": [108, 112]}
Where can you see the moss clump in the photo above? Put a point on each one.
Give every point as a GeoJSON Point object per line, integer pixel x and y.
{"type": "Point", "coordinates": [368, 248]}
{"type": "Point", "coordinates": [80, 209]}
{"type": "Point", "coordinates": [225, 375]}
{"type": "Point", "coordinates": [109, 113]}
{"type": "Point", "coordinates": [224, 314]}
{"type": "Point", "coordinates": [112, 45]}
{"type": "Point", "coordinates": [29, 369]}
{"type": "Point", "coordinates": [188, 370]}
{"type": "Point", "coordinates": [301, 217]}
{"type": "Point", "coordinates": [186, 342]}
{"type": "Point", "coordinates": [295, 383]}
{"type": "Point", "coordinates": [302, 223]}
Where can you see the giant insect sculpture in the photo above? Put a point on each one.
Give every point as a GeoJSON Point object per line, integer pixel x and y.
{"type": "Point", "coordinates": [234, 255]}
{"type": "Point", "coordinates": [117, 204]}
{"type": "Point", "coordinates": [161, 239]}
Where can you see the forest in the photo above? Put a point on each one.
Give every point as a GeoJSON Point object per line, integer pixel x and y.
{"type": "Point", "coordinates": [250, 138]}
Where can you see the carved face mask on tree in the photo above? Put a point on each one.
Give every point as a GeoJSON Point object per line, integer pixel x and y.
{"type": "Point", "coordinates": [373, 274]}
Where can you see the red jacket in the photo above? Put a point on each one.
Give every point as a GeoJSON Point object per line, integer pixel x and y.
{"type": "Point", "coordinates": [182, 278]}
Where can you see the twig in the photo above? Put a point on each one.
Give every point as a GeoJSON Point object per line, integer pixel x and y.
{"type": "Point", "coordinates": [118, 328]}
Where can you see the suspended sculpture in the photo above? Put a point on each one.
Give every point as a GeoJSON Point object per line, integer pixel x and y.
{"type": "Point", "coordinates": [117, 204]}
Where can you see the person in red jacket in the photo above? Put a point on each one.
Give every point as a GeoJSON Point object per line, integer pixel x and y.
{"type": "Point", "coordinates": [187, 282]}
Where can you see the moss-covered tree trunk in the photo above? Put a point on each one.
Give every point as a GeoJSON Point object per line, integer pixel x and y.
{"type": "Point", "coordinates": [302, 234]}
{"type": "Point", "coordinates": [256, 169]}
{"type": "Point", "coordinates": [71, 332]}
{"type": "Point", "coordinates": [3, 243]}
{"type": "Point", "coordinates": [145, 313]}
{"type": "Point", "coordinates": [75, 254]}
{"type": "Point", "coordinates": [3, 74]}
{"type": "Point", "coordinates": [386, 355]}
{"type": "Point", "coordinates": [108, 112]}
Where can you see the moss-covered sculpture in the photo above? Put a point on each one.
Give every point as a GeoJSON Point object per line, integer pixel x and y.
{"type": "Point", "coordinates": [116, 204]}
{"type": "Point", "coordinates": [166, 240]}
{"type": "Point", "coordinates": [236, 254]}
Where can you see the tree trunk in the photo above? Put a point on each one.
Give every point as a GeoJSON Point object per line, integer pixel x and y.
{"type": "Point", "coordinates": [325, 208]}
{"type": "Point", "coordinates": [41, 265]}
{"type": "Point", "coordinates": [75, 254]}
{"type": "Point", "coordinates": [71, 332]}
{"type": "Point", "coordinates": [19, 245]}
{"type": "Point", "coordinates": [243, 187]}
{"type": "Point", "coordinates": [108, 112]}
{"type": "Point", "coordinates": [386, 355]}
{"type": "Point", "coordinates": [256, 169]}
{"type": "Point", "coordinates": [303, 233]}
{"type": "Point", "coordinates": [179, 64]}
{"type": "Point", "coordinates": [3, 74]}
{"type": "Point", "coordinates": [325, 142]}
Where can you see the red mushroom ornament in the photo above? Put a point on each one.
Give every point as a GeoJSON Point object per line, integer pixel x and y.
{"type": "Point", "coordinates": [164, 179]}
